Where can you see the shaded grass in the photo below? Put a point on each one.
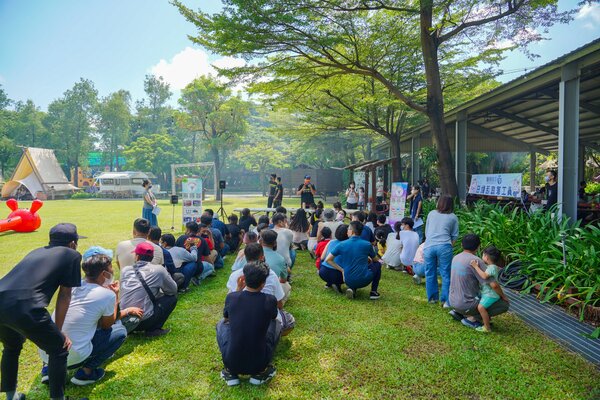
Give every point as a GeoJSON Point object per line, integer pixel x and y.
{"type": "Point", "coordinates": [397, 347]}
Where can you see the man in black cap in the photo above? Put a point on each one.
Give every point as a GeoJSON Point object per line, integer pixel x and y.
{"type": "Point", "coordinates": [25, 292]}
{"type": "Point", "coordinates": [307, 193]}
{"type": "Point", "coordinates": [272, 190]}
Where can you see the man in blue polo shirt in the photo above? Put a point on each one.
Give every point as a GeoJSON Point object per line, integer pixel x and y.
{"type": "Point", "coordinates": [357, 262]}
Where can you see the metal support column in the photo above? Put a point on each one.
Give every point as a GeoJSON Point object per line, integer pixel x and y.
{"type": "Point", "coordinates": [581, 165]}
{"type": "Point", "coordinates": [415, 164]}
{"type": "Point", "coordinates": [532, 170]}
{"type": "Point", "coordinates": [460, 155]}
{"type": "Point", "coordinates": [568, 141]}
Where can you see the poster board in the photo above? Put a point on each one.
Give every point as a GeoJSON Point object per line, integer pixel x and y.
{"type": "Point", "coordinates": [398, 202]}
{"type": "Point", "coordinates": [191, 196]}
{"type": "Point", "coordinates": [500, 185]}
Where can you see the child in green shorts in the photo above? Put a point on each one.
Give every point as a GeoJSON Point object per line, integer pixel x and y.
{"type": "Point", "coordinates": [491, 255]}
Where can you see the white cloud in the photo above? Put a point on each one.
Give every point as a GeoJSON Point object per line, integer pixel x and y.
{"type": "Point", "coordinates": [190, 64]}
{"type": "Point", "coordinates": [590, 13]}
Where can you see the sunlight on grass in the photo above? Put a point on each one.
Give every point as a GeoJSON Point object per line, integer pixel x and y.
{"type": "Point", "coordinates": [397, 347]}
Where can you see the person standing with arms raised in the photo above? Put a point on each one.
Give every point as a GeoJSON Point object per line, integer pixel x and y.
{"type": "Point", "coordinates": [149, 203]}
{"type": "Point", "coordinates": [307, 192]}
{"type": "Point", "coordinates": [351, 197]}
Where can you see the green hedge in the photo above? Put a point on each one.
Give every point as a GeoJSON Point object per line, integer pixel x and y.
{"type": "Point", "coordinates": [536, 240]}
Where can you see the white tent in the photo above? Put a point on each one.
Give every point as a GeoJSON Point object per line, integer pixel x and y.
{"type": "Point", "coordinates": [39, 172]}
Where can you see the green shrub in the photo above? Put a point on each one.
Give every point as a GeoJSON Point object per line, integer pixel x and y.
{"type": "Point", "coordinates": [82, 195]}
{"type": "Point", "coordinates": [536, 239]}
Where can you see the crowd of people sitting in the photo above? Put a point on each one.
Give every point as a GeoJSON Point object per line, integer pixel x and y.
{"type": "Point", "coordinates": [94, 315]}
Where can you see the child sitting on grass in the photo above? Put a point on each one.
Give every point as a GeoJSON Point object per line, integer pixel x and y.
{"type": "Point", "coordinates": [491, 255]}
{"type": "Point", "coordinates": [322, 245]}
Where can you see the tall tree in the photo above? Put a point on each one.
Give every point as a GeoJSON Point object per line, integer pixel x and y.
{"type": "Point", "coordinates": [218, 116]}
{"type": "Point", "coordinates": [113, 124]}
{"type": "Point", "coordinates": [154, 115]}
{"type": "Point", "coordinates": [71, 120]}
{"type": "Point", "coordinates": [28, 127]}
{"type": "Point", "coordinates": [152, 153]}
{"type": "Point", "coordinates": [366, 37]}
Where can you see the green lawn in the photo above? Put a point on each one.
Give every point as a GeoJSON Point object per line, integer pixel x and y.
{"type": "Point", "coordinates": [397, 347]}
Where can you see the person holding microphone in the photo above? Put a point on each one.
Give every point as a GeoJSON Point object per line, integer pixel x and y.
{"type": "Point", "coordinates": [307, 192]}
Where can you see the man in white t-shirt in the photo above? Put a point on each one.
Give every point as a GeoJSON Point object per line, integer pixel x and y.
{"type": "Point", "coordinates": [285, 238]}
{"type": "Point", "coordinates": [253, 252]}
{"type": "Point", "coordinates": [91, 321]}
{"type": "Point", "coordinates": [124, 253]}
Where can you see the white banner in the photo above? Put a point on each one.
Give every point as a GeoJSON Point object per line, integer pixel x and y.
{"type": "Point", "coordinates": [499, 185]}
{"type": "Point", "coordinates": [191, 196]}
{"type": "Point", "coordinates": [398, 202]}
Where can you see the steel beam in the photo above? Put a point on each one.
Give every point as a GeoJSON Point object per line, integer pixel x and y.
{"type": "Point", "coordinates": [568, 141]}
{"type": "Point", "coordinates": [460, 155]}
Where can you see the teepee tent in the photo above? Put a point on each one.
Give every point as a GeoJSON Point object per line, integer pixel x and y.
{"type": "Point", "coordinates": [39, 172]}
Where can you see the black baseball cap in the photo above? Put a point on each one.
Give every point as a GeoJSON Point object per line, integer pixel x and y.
{"type": "Point", "coordinates": [273, 175]}
{"type": "Point", "coordinates": [64, 233]}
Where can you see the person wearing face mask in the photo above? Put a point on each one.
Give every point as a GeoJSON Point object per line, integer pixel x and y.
{"type": "Point", "coordinates": [551, 189]}
{"type": "Point", "coordinates": [25, 292]}
{"type": "Point", "coordinates": [148, 210]}
{"type": "Point", "coordinates": [416, 210]}
{"type": "Point", "coordinates": [91, 321]}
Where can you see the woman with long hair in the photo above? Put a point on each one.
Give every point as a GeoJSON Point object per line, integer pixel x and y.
{"type": "Point", "coordinates": [148, 210]}
{"type": "Point", "coordinates": [300, 228]}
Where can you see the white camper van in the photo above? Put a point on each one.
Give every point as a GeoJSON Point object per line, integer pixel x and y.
{"type": "Point", "coordinates": [123, 184]}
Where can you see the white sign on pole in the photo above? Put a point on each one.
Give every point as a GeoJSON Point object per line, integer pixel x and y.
{"type": "Point", "coordinates": [191, 194]}
{"type": "Point", "coordinates": [500, 185]}
{"type": "Point", "coordinates": [398, 202]}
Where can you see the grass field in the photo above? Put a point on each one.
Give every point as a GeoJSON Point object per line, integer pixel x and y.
{"type": "Point", "coordinates": [395, 348]}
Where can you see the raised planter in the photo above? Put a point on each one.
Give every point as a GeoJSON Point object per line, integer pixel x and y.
{"type": "Point", "coordinates": [591, 313]}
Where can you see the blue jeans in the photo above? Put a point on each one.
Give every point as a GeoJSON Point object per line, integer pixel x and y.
{"type": "Point", "coordinates": [188, 270]}
{"type": "Point", "coordinates": [105, 343]}
{"type": "Point", "coordinates": [219, 262]}
{"type": "Point", "coordinates": [419, 269]}
{"type": "Point", "coordinates": [207, 270]}
{"type": "Point", "coordinates": [419, 231]}
{"type": "Point", "coordinates": [225, 250]}
{"type": "Point", "coordinates": [439, 256]}
{"type": "Point", "coordinates": [293, 257]}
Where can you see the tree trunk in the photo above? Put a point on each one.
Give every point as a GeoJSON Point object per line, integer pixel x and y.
{"type": "Point", "coordinates": [396, 158]}
{"type": "Point", "coordinates": [194, 146]}
{"type": "Point", "coordinates": [435, 101]}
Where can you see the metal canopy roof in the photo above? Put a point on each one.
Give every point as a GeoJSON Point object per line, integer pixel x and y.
{"type": "Point", "coordinates": [369, 165]}
{"type": "Point", "coordinates": [522, 115]}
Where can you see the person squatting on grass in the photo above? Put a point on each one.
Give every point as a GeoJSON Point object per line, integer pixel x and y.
{"type": "Point", "coordinates": [357, 262]}
{"type": "Point", "coordinates": [254, 253]}
{"type": "Point", "coordinates": [92, 321]}
{"type": "Point", "coordinates": [249, 331]}
{"type": "Point", "coordinates": [149, 287]}
{"type": "Point", "coordinates": [25, 292]}
{"type": "Point", "coordinates": [489, 296]}
{"type": "Point", "coordinates": [333, 277]}
{"type": "Point", "coordinates": [465, 283]}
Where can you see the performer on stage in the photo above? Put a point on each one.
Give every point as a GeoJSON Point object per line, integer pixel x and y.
{"type": "Point", "coordinates": [307, 192]}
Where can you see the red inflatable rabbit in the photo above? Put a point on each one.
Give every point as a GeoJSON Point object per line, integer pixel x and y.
{"type": "Point", "coordinates": [22, 219]}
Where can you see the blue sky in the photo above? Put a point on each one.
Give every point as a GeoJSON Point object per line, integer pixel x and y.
{"type": "Point", "coordinates": [46, 46]}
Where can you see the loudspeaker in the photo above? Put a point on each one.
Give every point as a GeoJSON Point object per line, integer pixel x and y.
{"type": "Point", "coordinates": [174, 199]}
{"type": "Point", "coordinates": [222, 184]}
